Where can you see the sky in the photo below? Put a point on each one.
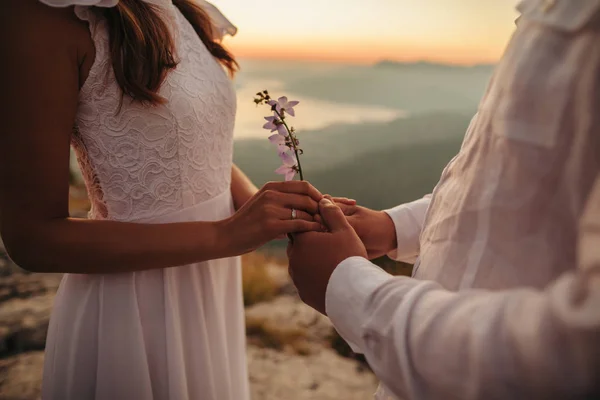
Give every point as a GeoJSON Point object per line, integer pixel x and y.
{"type": "Point", "coordinates": [366, 31]}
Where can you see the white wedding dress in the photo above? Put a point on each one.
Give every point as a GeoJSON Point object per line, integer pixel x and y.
{"type": "Point", "coordinates": [175, 333]}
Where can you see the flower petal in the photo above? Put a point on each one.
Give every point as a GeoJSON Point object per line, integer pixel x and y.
{"type": "Point", "coordinates": [277, 139]}
{"type": "Point", "coordinates": [290, 175]}
{"type": "Point", "coordinates": [282, 101]}
{"type": "Point", "coordinates": [281, 129]}
{"type": "Point", "coordinates": [282, 170]}
{"type": "Point", "coordinates": [291, 104]}
{"type": "Point", "coordinates": [282, 148]}
{"type": "Point", "coordinates": [288, 159]}
{"type": "Point", "coordinates": [290, 111]}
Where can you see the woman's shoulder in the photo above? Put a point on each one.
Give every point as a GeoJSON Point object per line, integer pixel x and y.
{"type": "Point", "coordinates": [32, 23]}
{"type": "Point", "coordinates": [62, 20]}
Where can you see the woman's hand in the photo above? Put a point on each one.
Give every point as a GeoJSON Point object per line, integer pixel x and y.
{"type": "Point", "coordinates": [268, 215]}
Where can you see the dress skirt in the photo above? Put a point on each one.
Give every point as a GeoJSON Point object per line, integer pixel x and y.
{"type": "Point", "coordinates": [175, 333]}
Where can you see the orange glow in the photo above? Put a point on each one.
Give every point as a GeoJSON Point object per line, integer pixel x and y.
{"type": "Point", "coordinates": [369, 51]}
{"type": "Point", "coordinates": [358, 31]}
{"type": "Point", "coordinates": [370, 54]}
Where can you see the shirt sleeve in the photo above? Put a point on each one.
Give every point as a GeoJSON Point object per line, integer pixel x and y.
{"type": "Point", "coordinates": [425, 342]}
{"type": "Point", "coordinates": [408, 219]}
{"type": "Point", "coordinates": [352, 280]}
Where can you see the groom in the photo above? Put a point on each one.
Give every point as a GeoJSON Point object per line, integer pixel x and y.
{"type": "Point", "coordinates": [506, 218]}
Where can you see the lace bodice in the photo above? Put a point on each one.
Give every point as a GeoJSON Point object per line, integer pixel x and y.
{"type": "Point", "coordinates": [147, 161]}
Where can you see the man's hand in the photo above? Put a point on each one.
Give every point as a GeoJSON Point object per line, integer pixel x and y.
{"type": "Point", "coordinates": [375, 228]}
{"type": "Point", "coordinates": [314, 255]}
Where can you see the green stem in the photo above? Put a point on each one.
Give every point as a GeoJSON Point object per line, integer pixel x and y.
{"type": "Point", "coordinates": [293, 139]}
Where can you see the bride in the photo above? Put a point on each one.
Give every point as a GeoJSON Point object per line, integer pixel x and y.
{"type": "Point", "coordinates": [150, 306]}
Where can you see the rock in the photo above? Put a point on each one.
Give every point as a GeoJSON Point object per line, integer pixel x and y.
{"type": "Point", "coordinates": [273, 376]}
{"type": "Point", "coordinates": [281, 278]}
{"type": "Point", "coordinates": [290, 313]}
{"type": "Point", "coordinates": [21, 376]}
{"type": "Point", "coordinates": [7, 267]}
{"type": "Point", "coordinates": [19, 285]}
{"type": "Point", "coordinates": [24, 323]}
{"type": "Point", "coordinates": [25, 304]}
{"type": "Point", "coordinates": [324, 376]}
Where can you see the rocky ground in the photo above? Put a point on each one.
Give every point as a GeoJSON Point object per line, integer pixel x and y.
{"type": "Point", "coordinates": [290, 351]}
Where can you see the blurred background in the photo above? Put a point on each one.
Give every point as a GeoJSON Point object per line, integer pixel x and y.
{"type": "Point", "coordinates": [386, 90]}
{"type": "Point", "coordinates": [386, 87]}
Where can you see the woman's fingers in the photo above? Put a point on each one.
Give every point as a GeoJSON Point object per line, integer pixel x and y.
{"type": "Point", "coordinates": [286, 214]}
{"type": "Point", "coordinates": [298, 202]}
{"type": "Point", "coordinates": [318, 218]}
{"type": "Point", "coordinates": [299, 225]}
{"type": "Point", "coordinates": [297, 187]}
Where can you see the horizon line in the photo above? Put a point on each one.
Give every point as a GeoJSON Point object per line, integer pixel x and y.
{"type": "Point", "coordinates": [372, 62]}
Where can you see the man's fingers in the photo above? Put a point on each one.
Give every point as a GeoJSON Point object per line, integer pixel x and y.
{"type": "Point", "coordinates": [344, 200]}
{"type": "Point", "coordinates": [332, 216]}
{"type": "Point", "coordinates": [347, 209]}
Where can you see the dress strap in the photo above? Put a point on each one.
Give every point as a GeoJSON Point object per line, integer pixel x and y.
{"type": "Point", "coordinates": [99, 34]}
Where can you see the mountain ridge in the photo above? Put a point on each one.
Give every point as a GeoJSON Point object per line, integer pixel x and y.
{"type": "Point", "coordinates": [431, 65]}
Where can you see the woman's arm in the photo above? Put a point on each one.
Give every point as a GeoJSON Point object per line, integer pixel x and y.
{"type": "Point", "coordinates": [242, 188]}
{"type": "Point", "coordinates": [43, 50]}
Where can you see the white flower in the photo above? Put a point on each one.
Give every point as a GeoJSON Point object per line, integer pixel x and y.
{"type": "Point", "coordinates": [284, 105]}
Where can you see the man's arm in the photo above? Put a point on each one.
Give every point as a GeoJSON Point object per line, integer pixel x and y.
{"type": "Point", "coordinates": [394, 232]}
{"type": "Point", "coordinates": [425, 342]}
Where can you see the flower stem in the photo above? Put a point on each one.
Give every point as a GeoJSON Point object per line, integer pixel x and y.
{"type": "Point", "coordinates": [293, 140]}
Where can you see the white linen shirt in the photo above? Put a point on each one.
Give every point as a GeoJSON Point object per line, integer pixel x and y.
{"type": "Point", "coordinates": [501, 304]}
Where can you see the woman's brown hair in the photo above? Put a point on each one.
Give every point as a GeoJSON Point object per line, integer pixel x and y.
{"type": "Point", "coordinates": [142, 48]}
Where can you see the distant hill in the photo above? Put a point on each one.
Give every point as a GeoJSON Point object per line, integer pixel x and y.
{"type": "Point", "coordinates": [412, 87]}
{"type": "Point", "coordinates": [426, 65]}
{"type": "Point", "coordinates": [337, 143]}
{"type": "Point", "coordinates": [389, 177]}
{"type": "Point", "coordinates": [378, 164]}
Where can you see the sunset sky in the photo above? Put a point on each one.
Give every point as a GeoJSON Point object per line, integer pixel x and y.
{"type": "Point", "coordinates": [364, 31]}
